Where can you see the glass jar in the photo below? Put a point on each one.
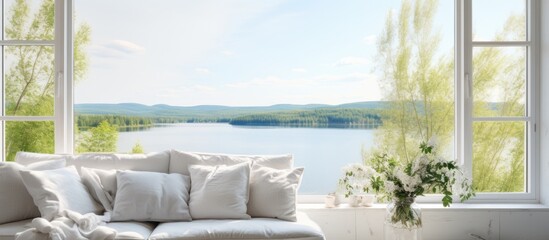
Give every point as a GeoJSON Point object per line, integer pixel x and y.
{"type": "Point", "coordinates": [403, 220]}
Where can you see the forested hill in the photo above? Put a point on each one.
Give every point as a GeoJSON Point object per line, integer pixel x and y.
{"type": "Point", "coordinates": [330, 118]}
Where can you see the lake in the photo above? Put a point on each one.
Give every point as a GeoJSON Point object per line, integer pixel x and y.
{"type": "Point", "coordinates": [322, 151]}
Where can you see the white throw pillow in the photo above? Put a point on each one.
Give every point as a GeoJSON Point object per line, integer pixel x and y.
{"type": "Point", "coordinates": [15, 201]}
{"type": "Point", "coordinates": [151, 196]}
{"type": "Point", "coordinates": [273, 192]}
{"type": "Point", "coordinates": [101, 185]}
{"type": "Point", "coordinates": [219, 192]}
{"type": "Point", "coordinates": [56, 190]}
{"type": "Point", "coordinates": [180, 161]}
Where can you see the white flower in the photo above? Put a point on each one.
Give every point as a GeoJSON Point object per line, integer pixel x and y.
{"type": "Point", "coordinates": [445, 172]}
{"type": "Point", "coordinates": [359, 170]}
{"type": "Point", "coordinates": [433, 142]}
{"type": "Point", "coordinates": [409, 183]}
{"type": "Point", "coordinates": [356, 178]}
{"type": "Point", "coordinates": [390, 187]}
{"type": "Point", "coordinates": [460, 187]}
{"type": "Point", "coordinates": [419, 164]}
{"type": "Point", "coordinates": [439, 159]}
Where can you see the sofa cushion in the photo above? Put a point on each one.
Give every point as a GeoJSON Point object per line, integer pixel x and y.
{"type": "Point", "coordinates": [26, 158]}
{"type": "Point", "coordinates": [125, 230]}
{"type": "Point", "coordinates": [151, 196]}
{"type": "Point", "coordinates": [93, 160]}
{"type": "Point", "coordinates": [180, 161]}
{"type": "Point", "coordinates": [132, 230]}
{"type": "Point", "coordinates": [101, 184]}
{"type": "Point", "coordinates": [255, 228]}
{"type": "Point", "coordinates": [55, 190]}
{"type": "Point", "coordinates": [151, 162]}
{"type": "Point", "coordinates": [15, 201]}
{"type": "Point", "coordinates": [273, 192]}
{"type": "Point", "coordinates": [219, 192]}
{"type": "Point", "coordinates": [8, 230]}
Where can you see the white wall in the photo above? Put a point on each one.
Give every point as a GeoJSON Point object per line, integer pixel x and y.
{"type": "Point", "coordinates": [544, 94]}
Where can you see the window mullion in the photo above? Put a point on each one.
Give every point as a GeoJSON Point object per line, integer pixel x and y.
{"type": "Point", "coordinates": [60, 96]}
{"type": "Point", "coordinates": [27, 118]}
{"type": "Point", "coordinates": [464, 45]}
{"type": "Point", "coordinates": [69, 74]}
{"type": "Point", "coordinates": [502, 119]}
{"type": "Point", "coordinates": [458, 81]}
{"type": "Point", "coordinates": [27, 43]}
{"type": "Point", "coordinates": [502, 44]}
{"type": "Point", "coordinates": [533, 161]}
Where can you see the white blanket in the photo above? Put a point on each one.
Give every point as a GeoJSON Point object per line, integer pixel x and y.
{"type": "Point", "coordinates": [69, 225]}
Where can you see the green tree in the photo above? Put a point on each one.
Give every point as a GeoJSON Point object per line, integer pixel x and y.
{"type": "Point", "coordinates": [419, 87]}
{"type": "Point", "coordinates": [138, 148]}
{"type": "Point", "coordinates": [102, 138]}
{"type": "Point", "coordinates": [498, 150]}
{"type": "Point", "coordinates": [30, 76]}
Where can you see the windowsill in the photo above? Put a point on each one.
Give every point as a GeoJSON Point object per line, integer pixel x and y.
{"type": "Point", "coordinates": [433, 206]}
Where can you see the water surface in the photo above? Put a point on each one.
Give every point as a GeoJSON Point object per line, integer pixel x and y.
{"type": "Point", "coordinates": [322, 151]}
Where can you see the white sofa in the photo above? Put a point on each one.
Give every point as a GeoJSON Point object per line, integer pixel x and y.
{"type": "Point", "coordinates": [165, 162]}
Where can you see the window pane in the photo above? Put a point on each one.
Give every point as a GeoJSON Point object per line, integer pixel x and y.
{"type": "Point", "coordinates": [31, 136]}
{"type": "Point", "coordinates": [318, 79]}
{"type": "Point", "coordinates": [499, 20]}
{"type": "Point", "coordinates": [29, 20]}
{"type": "Point", "coordinates": [499, 156]}
{"type": "Point", "coordinates": [499, 81]}
{"type": "Point", "coordinates": [29, 80]}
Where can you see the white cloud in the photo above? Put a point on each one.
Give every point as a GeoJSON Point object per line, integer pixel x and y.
{"type": "Point", "coordinates": [203, 88]}
{"type": "Point", "coordinates": [269, 81]}
{"type": "Point", "coordinates": [172, 94]}
{"type": "Point", "coordinates": [116, 49]}
{"type": "Point", "coordinates": [227, 53]}
{"type": "Point", "coordinates": [202, 70]}
{"type": "Point", "coordinates": [299, 70]}
{"type": "Point", "coordinates": [125, 46]}
{"type": "Point", "coordinates": [275, 81]}
{"type": "Point", "coordinates": [348, 61]}
{"type": "Point", "coordinates": [330, 89]}
{"type": "Point", "coordinates": [350, 77]}
{"type": "Point", "coordinates": [370, 39]}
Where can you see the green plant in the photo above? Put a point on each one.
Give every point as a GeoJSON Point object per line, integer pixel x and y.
{"type": "Point", "coordinates": [358, 179]}
{"type": "Point", "coordinates": [403, 182]}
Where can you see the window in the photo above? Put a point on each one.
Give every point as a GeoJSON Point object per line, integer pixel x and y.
{"type": "Point", "coordinates": [29, 76]}
{"type": "Point", "coordinates": [498, 97]}
{"type": "Point", "coordinates": [328, 82]}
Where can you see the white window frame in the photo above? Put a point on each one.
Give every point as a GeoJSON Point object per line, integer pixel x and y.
{"type": "Point", "coordinates": [464, 99]}
{"type": "Point", "coordinates": [62, 54]}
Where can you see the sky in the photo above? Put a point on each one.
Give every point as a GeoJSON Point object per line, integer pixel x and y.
{"type": "Point", "coordinates": [236, 52]}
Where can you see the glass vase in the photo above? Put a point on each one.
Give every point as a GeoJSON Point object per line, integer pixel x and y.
{"type": "Point", "coordinates": [403, 220]}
